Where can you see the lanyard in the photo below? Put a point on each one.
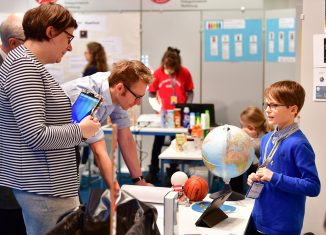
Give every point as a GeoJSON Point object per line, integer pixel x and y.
{"type": "Point", "coordinates": [268, 159]}
{"type": "Point", "coordinates": [173, 82]}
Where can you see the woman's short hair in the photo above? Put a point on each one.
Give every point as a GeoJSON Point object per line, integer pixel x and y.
{"type": "Point", "coordinates": [36, 21]}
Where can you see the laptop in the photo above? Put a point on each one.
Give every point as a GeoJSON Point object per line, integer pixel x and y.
{"type": "Point", "coordinates": [200, 108]}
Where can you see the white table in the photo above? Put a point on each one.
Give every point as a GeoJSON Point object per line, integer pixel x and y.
{"type": "Point", "coordinates": [143, 130]}
{"type": "Point", "coordinates": [235, 224]}
{"type": "Point", "coordinates": [190, 155]}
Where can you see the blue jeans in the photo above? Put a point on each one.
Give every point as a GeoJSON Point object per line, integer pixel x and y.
{"type": "Point", "coordinates": [40, 212]}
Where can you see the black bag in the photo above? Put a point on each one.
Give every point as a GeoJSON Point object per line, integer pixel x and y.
{"type": "Point", "coordinates": [133, 217]}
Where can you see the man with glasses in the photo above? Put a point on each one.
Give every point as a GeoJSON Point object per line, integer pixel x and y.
{"type": "Point", "coordinates": [121, 89]}
{"type": "Point", "coordinates": [11, 218]}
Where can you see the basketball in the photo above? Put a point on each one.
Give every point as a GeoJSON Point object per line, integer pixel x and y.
{"type": "Point", "coordinates": [196, 188]}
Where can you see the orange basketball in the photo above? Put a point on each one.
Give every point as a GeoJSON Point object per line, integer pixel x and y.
{"type": "Point", "coordinates": [196, 188]}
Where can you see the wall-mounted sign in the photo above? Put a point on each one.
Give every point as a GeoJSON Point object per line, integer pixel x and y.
{"type": "Point", "coordinates": [44, 1]}
{"type": "Point", "coordinates": [160, 1]}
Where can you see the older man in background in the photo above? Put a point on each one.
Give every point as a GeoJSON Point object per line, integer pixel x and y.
{"type": "Point", "coordinates": [11, 219]}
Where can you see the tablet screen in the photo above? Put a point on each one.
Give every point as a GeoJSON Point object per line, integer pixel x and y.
{"type": "Point", "coordinates": [83, 106]}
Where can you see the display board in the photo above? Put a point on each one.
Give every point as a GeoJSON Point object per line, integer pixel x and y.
{"type": "Point", "coordinates": [233, 40]}
{"type": "Point", "coordinates": [280, 40]}
{"type": "Point", "coordinates": [283, 68]}
{"type": "Point", "coordinates": [232, 86]}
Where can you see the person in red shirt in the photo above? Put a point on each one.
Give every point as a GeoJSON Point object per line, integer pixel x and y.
{"type": "Point", "coordinates": [172, 84]}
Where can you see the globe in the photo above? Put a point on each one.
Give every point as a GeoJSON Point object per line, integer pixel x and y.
{"type": "Point", "coordinates": [227, 151]}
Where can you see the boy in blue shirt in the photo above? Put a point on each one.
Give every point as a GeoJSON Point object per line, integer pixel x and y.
{"type": "Point", "coordinates": [287, 165]}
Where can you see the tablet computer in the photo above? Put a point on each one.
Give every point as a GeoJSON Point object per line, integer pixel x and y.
{"type": "Point", "coordinates": [213, 214]}
{"type": "Point", "coordinates": [86, 104]}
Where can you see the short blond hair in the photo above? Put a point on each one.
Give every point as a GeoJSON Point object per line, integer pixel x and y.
{"type": "Point", "coordinates": [255, 116]}
{"type": "Point", "coordinates": [129, 72]}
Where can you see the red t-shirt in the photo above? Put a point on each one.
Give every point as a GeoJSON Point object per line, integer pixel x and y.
{"type": "Point", "coordinates": [168, 85]}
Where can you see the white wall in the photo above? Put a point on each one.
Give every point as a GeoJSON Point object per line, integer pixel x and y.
{"type": "Point", "coordinates": [313, 113]}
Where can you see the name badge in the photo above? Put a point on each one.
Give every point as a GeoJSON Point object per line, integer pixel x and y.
{"type": "Point", "coordinates": [174, 99]}
{"type": "Point", "coordinates": [255, 190]}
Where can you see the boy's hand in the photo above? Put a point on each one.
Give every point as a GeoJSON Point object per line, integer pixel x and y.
{"type": "Point", "coordinates": [252, 177]}
{"type": "Point", "coordinates": [264, 174]}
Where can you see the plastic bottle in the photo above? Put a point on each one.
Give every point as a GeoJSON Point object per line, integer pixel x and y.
{"type": "Point", "coordinates": [208, 119]}
{"type": "Point", "coordinates": [186, 117]}
{"type": "Point", "coordinates": [207, 122]}
{"type": "Point", "coordinates": [170, 119]}
{"type": "Point", "coordinates": [192, 121]}
{"type": "Point", "coordinates": [197, 134]}
{"type": "Point", "coordinates": [177, 117]}
{"type": "Point", "coordinates": [203, 121]}
{"type": "Point", "coordinates": [163, 114]}
{"type": "Point", "coordinates": [197, 121]}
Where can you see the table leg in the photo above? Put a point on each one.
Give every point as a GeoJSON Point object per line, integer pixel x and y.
{"type": "Point", "coordinates": [162, 171]}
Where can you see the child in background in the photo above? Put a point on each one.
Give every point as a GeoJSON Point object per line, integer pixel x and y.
{"type": "Point", "coordinates": [172, 85]}
{"type": "Point", "coordinates": [287, 166]}
{"type": "Point", "coordinates": [253, 122]}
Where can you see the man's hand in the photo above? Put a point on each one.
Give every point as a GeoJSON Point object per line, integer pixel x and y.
{"type": "Point", "coordinates": [143, 183]}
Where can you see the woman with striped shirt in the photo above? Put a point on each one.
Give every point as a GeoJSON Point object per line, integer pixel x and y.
{"type": "Point", "coordinates": [37, 150]}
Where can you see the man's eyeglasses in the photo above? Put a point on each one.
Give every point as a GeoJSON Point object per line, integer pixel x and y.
{"type": "Point", "coordinates": [273, 106]}
{"type": "Point", "coordinates": [71, 37]}
{"type": "Point", "coordinates": [137, 97]}
{"type": "Point", "coordinates": [21, 40]}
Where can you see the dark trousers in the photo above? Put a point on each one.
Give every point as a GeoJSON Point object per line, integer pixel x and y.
{"type": "Point", "coordinates": [156, 151]}
{"type": "Point", "coordinates": [12, 222]}
{"type": "Point", "coordinates": [11, 216]}
{"type": "Point", "coordinates": [239, 184]}
{"type": "Point", "coordinates": [251, 228]}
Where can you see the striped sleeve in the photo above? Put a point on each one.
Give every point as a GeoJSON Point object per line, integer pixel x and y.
{"type": "Point", "coordinates": [31, 108]}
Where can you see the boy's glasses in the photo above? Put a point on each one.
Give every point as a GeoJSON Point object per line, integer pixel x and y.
{"type": "Point", "coordinates": [137, 97]}
{"type": "Point", "coordinates": [71, 37]}
{"type": "Point", "coordinates": [273, 106]}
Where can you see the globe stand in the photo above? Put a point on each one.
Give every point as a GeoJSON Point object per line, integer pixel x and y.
{"type": "Point", "coordinates": [227, 188]}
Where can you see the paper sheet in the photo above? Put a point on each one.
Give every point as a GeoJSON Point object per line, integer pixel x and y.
{"type": "Point", "coordinates": [147, 193]}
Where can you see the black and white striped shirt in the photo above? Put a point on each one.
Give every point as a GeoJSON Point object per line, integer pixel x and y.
{"type": "Point", "coordinates": [37, 138]}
